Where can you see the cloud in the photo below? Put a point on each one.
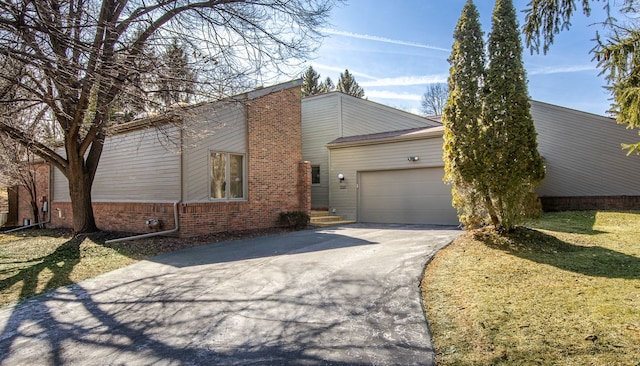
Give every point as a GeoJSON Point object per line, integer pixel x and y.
{"type": "Point", "coordinates": [341, 70]}
{"type": "Point", "coordinates": [562, 69]}
{"type": "Point", "coordinates": [382, 39]}
{"type": "Point", "coordinates": [385, 94]}
{"type": "Point", "coordinates": [406, 81]}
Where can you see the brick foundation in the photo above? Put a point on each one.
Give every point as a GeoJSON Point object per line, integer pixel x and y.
{"type": "Point", "coordinates": [590, 203]}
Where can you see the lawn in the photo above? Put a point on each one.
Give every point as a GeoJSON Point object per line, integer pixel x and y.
{"type": "Point", "coordinates": [565, 290]}
{"type": "Point", "coordinates": [34, 261]}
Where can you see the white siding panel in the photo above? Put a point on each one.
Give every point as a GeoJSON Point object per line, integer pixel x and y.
{"type": "Point", "coordinates": [214, 128]}
{"type": "Point", "coordinates": [583, 155]}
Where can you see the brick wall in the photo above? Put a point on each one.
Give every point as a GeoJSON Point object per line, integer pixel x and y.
{"type": "Point", "coordinates": [590, 203]}
{"type": "Point", "coordinates": [42, 193]}
{"type": "Point", "coordinates": [277, 180]}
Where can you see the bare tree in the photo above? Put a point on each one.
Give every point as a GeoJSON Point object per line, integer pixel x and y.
{"type": "Point", "coordinates": [434, 99]}
{"type": "Point", "coordinates": [81, 59]}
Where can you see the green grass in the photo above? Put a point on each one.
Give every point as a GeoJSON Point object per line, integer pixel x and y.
{"type": "Point", "coordinates": [565, 290]}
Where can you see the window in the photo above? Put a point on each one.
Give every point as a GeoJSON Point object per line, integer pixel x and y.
{"type": "Point", "coordinates": [227, 176]}
{"type": "Point", "coordinates": [315, 174]}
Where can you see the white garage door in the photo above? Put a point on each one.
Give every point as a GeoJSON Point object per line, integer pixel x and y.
{"type": "Point", "coordinates": [414, 196]}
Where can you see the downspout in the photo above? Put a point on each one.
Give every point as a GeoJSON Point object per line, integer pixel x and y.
{"type": "Point", "coordinates": [175, 206]}
{"type": "Point", "coordinates": [141, 236]}
{"type": "Point", "coordinates": [44, 204]}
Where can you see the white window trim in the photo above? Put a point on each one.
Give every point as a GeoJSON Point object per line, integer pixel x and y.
{"type": "Point", "coordinates": [227, 176]}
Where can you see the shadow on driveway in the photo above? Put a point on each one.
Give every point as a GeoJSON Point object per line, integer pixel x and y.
{"type": "Point", "coordinates": [344, 296]}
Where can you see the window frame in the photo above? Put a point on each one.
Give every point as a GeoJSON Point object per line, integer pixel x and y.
{"type": "Point", "coordinates": [227, 177]}
{"type": "Point", "coordinates": [319, 175]}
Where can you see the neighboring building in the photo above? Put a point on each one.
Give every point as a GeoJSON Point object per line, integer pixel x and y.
{"type": "Point", "coordinates": [395, 175]}
{"type": "Point", "coordinates": [230, 165]}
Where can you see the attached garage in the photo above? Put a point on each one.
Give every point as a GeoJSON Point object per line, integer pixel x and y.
{"type": "Point", "coordinates": [393, 178]}
{"type": "Point", "coordinates": [409, 196]}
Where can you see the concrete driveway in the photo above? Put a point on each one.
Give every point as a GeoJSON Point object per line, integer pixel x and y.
{"type": "Point", "coordinates": [335, 296]}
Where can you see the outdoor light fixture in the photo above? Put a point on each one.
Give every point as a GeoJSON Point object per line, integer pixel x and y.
{"type": "Point", "coordinates": [341, 177]}
{"type": "Point", "coordinates": [413, 158]}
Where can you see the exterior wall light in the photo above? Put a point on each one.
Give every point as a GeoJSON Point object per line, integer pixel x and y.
{"type": "Point", "coordinates": [413, 158]}
{"type": "Point", "coordinates": [341, 177]}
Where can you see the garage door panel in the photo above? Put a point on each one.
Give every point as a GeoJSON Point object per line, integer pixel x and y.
{"type": "Point", "coordinates": [414, 196]}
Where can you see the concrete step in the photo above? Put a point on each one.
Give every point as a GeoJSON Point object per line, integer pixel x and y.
{"type": "Point", "coordinates": [319, 213]}
{"type": "Point", "coordinates": [332, 223]}
{"type": "Point", "coordinates": [325, 218]}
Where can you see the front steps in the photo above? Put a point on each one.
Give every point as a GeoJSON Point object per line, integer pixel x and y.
{"type": "Point", "coordinates": [323, 219]}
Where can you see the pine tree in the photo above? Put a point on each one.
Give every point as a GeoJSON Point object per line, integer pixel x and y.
{"type": "Point", "coordinates": [462, 117]}
{"type": "Point", "coordinates": [327, 85]}
{"type": "Point", "coordinates": [176, 78]}
{"type": "Point", "coordinates": [512, 166]}
{"type": "Point", "coordinates": [347, 84]}
{"type": "Point", "coordinates": [310, 85]}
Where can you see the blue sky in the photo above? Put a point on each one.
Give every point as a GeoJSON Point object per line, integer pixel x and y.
{"type": "Point", "coordinates": [396, 48]}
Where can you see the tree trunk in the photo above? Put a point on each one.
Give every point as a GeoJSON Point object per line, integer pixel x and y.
{"type": "Point", "coordinates": [82, 210]}
{"type": "Point", "coordinates": [80, 183]}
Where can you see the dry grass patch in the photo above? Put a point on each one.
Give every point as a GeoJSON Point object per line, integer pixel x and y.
{"type": "Point", "coordinates": [35, 261]}
{"type": "Point", "coordinates": [564, 291]}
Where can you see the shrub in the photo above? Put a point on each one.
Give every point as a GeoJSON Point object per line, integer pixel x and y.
{"type": "Point", "coordinates": [295, 219]}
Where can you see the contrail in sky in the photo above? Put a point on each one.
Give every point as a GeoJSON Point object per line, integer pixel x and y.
{"type": "Point", "coordinates": [382, 39]}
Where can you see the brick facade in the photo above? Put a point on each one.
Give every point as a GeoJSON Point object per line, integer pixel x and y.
{"type": "Point", "coordinates": [42, 192]}
{"type": "Point", "coordinates": [590, 203]}
{"type": "Point", "coordinates": [277, 180]}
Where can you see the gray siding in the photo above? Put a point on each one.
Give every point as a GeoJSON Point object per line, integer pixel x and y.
{"type": "Point", "coordinates": [387, 156]}
{"type": "Point", "coordinates": [582, 153]}
{"type": "Point", "coordinates": [363, 117]}
{"type": "Point", "coordinates": [60, 185]}
{"type": "Point", "coordinates": [221, 129]}
{"type": "Point", "coordinates": [329, 116]}
{"type": "Point", "coordinates": [320, 125]}
{"type": "Point", "coordinates": [137, 166]}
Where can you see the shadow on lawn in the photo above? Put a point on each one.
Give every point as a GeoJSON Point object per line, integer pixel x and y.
{"type": "Point", "coordinates": [539, 247]}
{"type": "Point", "coordinates": [60, 263]}
{"type": "Point", "coordinates": [577, 222]}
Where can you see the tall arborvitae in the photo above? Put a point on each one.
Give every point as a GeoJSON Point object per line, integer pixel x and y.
{"type": "Point", "coordinates": [512, 165]}
{"type": "Point", "coordinates": [347, 84]}
{"type": "Point", "coordinates": [310, 85]}
{"type": "Point", "coordinates": [461, 117]}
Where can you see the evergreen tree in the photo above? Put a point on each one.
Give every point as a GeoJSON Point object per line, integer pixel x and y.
{"type": "Point", "coordinates": [347, 84]}
{"type": "Point", "coordinates": [512, 166]}
{"type": "Point", "coordinates": [462, 116]}
{"type": "Point", "coordinates": [176, 79]}
{"type": "Point", "coordinates": [618, 56]}
{"type": "Point", "coordinates": [327, 85]}
{"type": "Point", "coordinates": [310, 85]}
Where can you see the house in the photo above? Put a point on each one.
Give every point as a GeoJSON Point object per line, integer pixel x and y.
{"type": "Point", "coordinates": [229, 165]}
{"type": "Point", "coordinates": [391, 168]}
{"type": "Point", "coordinates": [236, 164]}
